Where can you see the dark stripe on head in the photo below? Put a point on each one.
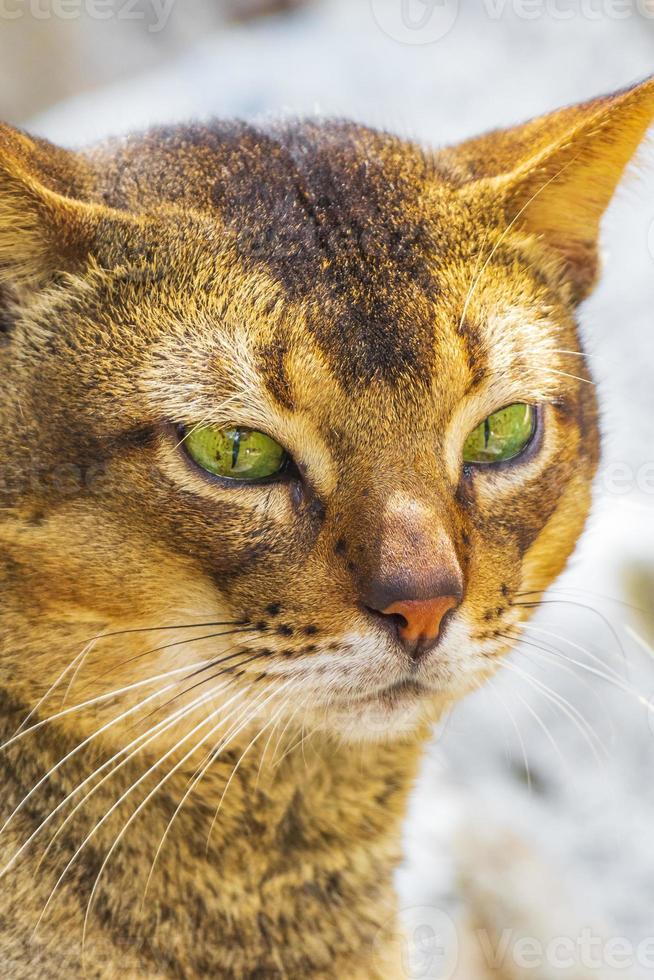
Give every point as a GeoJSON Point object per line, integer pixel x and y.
{"type": "Point", "coordinates": [332, 212]}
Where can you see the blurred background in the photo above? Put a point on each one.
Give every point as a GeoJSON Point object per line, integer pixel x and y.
{"type": "Point", "coordinates": [560, 749]}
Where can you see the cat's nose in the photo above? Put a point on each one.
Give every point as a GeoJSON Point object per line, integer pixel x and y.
{"type": "Point", "coordinates": [416, 605]}
{"type": "Point", "coordinates": [418, 621]}
{"type": "Point", "coordinates": [413, 576]}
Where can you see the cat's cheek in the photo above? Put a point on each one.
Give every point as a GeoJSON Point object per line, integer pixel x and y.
{"type": "Point", "coordinates": [557, 540]}
{"type": "Point", "coordinates": [228, 528]}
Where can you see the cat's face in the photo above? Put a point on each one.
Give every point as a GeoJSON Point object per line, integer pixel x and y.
{"type": "Point", "coordinates": [364, 306]}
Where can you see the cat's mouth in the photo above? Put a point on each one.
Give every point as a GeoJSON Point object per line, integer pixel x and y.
{"type": "Point", "coordinates": [396, 693]}
{"type": "Point", "coordinates": [389, 711]}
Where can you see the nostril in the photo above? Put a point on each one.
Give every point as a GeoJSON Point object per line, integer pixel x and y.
{"type": "Point", "coordinates": [387, 619]}
{"type": "Point", "coordinates": [445, 621]}
{"type": "Point", "coordinates": [401, 621]}
{"type": "Point", "coordinates": [420, 622]}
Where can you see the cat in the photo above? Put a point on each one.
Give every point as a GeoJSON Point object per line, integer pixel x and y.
{"type": "Point", "coordinates": [296, 429]}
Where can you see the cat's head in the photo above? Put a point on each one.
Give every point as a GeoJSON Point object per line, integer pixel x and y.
{"type": "Point", "coordinates": [309, 397]}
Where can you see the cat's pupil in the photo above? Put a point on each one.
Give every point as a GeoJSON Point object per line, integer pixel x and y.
{"type": "Point", "coordinates": [236, 446]}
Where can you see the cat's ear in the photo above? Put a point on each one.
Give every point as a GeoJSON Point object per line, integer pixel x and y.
{"type": "Point", "coordinates": [45, 228]}
{"type": "Point", "coordinates": [556, 175]}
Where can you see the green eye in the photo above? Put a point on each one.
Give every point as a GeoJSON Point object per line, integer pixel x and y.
{"type": "Point", "coordinates": [237, 454]}
{"type": "Point", "coordinates": [502, 436]}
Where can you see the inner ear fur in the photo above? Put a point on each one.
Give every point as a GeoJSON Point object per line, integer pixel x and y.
{"type": "Point", "coordinates": [46, 224]}
{"type": "Point", "coordinates": [555, 175]}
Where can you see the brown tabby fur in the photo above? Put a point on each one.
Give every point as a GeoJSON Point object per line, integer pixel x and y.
{"type": "Point", "coordinates": [366, 303]}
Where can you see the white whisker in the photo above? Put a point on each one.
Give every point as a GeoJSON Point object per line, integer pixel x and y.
{"type": "Point", "coordinates": [576, 646]}
{"type": "Point", "coordinates": [53, 687]}
{"type": "Point", "coordinates": [108, 696]}
{"type": "Point", "coordinates": [573, 377]}
{"type": "Point", "coordinates": [238, 764]}
{"type": "Point", "coordinates": [130, 751]}
{"type": "Point", "coordinates": [491, 687]}
{"type": "Point", "coordinates": [532, 711]}
{"type": "Point", "coordinates": [198, 775]}
{"type": "Point", "coordinates": [124, 796]}
{"type": "Point", "coordinates": [146, 800]}
{"type": "Point", "coordinates": [642, 643]}
{"type": "Point", "coordinates": [69, 755]}
{"type": "Point", "coordinates": [578, 720]}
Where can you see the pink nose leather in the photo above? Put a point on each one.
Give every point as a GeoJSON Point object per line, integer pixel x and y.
{"type": "Point", "coordinates": [422, 617]}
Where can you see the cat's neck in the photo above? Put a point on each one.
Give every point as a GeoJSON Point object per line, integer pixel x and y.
{"type": "Point", "coordinates": [299, 862]}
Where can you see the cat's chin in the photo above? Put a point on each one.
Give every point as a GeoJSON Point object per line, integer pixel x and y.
{"type": "Point", "coordinates": [395, 712]}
